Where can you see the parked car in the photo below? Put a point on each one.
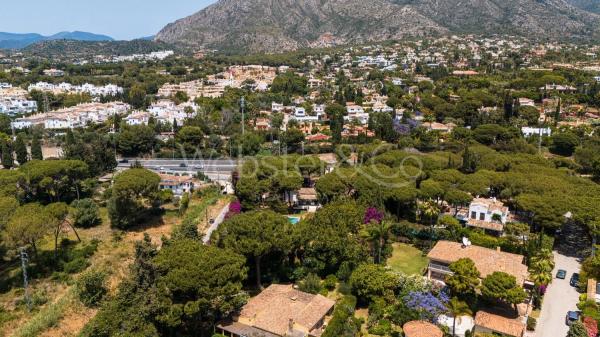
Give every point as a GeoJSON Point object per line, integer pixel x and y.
{"type": "Point", "coordinates": [574, 280]}
{"type": "Point", "coordinates": [561, 274]}
{"type": "Point", "coordinates": [572, 316]}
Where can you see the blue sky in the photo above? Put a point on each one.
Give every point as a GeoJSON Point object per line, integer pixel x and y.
{"type": "Point", "coordinates": [121, 19]}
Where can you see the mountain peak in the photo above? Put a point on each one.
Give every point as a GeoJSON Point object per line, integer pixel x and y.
{"type": "Point", "coordinates": [278, 25]}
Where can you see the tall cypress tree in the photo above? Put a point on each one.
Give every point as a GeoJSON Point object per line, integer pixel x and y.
{"type": "Point", "coordinates": [20, 149]}
{"type": "Point", "coordinates": [7, 156]}
{"type": "Point", "coordinates": [36, 148]}
{"type": "Point", "coordinates": [557, 112]}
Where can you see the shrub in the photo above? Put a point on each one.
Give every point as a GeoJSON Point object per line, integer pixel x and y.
{"type": "Point", "coordinates": [75, 266]}
{"type": "Point", "coordinates": [311, 284]}
{"type": "Point", "coordinates": [338, 324]}
{"type": "Point", "coordinates": [85, 213]}
{"type": "Point", "coordinates": [91, 287]}
{"type": "Point", "coordinates": [382, 328]}
{"type": "Point", "coordinates": [531, 323]}
{"type": "Point", "coordinates": [330, 282]}
{"type": "Point", "coordinates": [591, 325]}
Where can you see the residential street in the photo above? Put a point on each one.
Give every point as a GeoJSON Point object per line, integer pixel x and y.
{"type": "Point", "coordinates": [560, 298]}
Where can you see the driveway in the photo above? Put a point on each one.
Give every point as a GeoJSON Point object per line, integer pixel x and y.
{"type": "Point", "coordinates": [218, 220]}
{"type": "Point", "coordinates": [560, 298]}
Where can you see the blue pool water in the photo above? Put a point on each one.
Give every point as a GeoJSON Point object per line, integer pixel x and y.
{"type": "Point", "coordinates": [293, 220]}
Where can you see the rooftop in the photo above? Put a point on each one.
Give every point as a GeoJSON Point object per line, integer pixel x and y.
{"type": "Point", "coordinates": [492, 204]}
{"type": "Point", "coordinates": [486, 260]}
{"type": "Point", "coordinates": [274, 308]}
{"type": "Point", "coordinates": [507, 326]}
{"type": "Point", "coordinates": [421, 329]}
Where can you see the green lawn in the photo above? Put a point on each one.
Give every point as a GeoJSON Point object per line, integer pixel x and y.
{"type": "Point", "coordinates": [407, 259]}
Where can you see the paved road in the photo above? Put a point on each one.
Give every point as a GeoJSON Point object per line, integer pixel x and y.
{"type": "Point", "coordinates": [208, 165]}
{"type": "Point", "coordinates": [218, 220]}
{"type": "Point", "coordinates": [216, 170]}
{"type": "Point", "coordinates": [560, 298]}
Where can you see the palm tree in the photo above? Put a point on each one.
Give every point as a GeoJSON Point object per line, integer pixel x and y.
{"type": "Point", "coordinates": [377, 233]}
{"type": "Point", "coordinates": [457, 308]}
{"type": "Point", "coordinates": [430, 211]}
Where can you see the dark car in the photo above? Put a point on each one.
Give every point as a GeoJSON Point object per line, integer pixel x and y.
{"type": "Point", "coordinates": [574, 280]}
{"type": "Point", "coordinates": [182, 165]}
{"type": "Point", "coordinates": [572, 316]}
{"type": "Point", "coordinates": [561, 274]}
{"type": "Point", "coordinates": [124, 161]}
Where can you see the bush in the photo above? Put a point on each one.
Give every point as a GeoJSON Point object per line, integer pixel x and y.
{"type": "Point", "coordinates": [330, 282]}
{"type": "Point", "coordinates": [85, 213]}
{"type": "Point", "coordinates": [382, 328]}
{"type": "Point", "coordinates": [531, 323]}
{"type": "Point", "coordinates": [311, 284]}
{"type": "Point", "coordinates": [75, 266]}
{"type": "Point", "coordinates": [345, 288]}
{"type": "Point", "coordinates": [338, 324]}
{"type": "Point", "coordinates": [91, 287]}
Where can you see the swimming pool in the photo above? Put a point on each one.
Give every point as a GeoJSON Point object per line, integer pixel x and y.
{"type": "Point", "coordinates": [293, 219]}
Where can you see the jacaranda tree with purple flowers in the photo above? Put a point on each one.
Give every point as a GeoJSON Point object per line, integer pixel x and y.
{"type": "Point", "coordinates": [426, 304]}
{"type": "Point", "coordinates": [372, 214]}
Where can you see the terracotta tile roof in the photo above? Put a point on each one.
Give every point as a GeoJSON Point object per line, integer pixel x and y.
{"type": "Point", "coordinates": [499, 324]}
{"type": "Point", "coordinates": [273, 309]}
{"type": "Point", "coordinates": [491, 204]}
{"type": "Point", "coordinates": [486, 260]}
{"type": "Point", "coordinates": [495, 226]}
{"type": "Point", "coordinates": [172, 180]}
{"type": "Point", "coordinates": [421, 329]}
{"type": "Point", "coordinates": [307, 193]}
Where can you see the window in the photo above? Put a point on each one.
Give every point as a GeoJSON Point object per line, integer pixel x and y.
{"type": "Point", "coordinates": [473, 215]}
{"type": "Point", "coordinates": [481, 216]}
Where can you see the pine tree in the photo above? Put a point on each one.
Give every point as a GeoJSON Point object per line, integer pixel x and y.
{"type": "Point", "coordinates": [20, 150]}
{"type": "Point", "coordinates": [36, 148]}
{"type": "Point", "coordinates": [7, 156]}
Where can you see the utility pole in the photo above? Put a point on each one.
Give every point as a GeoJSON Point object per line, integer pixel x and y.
{"type": "Point", "coordinates": [243, 106]}
{"type": "Point", "coordinates": [24, 262]}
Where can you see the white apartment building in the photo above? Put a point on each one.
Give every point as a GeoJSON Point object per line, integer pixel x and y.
{"type": "Point", "coordinates": [73, 117]}
{"type": "Point", "coordinates": [529, 131]}
{"type": "Point", "coordinates": [68, 88]}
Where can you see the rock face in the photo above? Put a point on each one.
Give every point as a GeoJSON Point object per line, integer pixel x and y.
{"type": "Point", "coordinates": [278, 25]}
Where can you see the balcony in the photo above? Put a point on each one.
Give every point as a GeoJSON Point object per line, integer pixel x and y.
{"type": "Point", "coordinates": [439, 268]}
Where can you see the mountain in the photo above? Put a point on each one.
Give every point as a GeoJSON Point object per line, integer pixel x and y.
{"type": "Point", "coordinates": [18, 41]}
{"type": "Point", "coordinates": [72, 49]}
{"type": "Point", "coordinates": [588, 5]}
{"type": "Point", "coordinates": [277, 25]}
{"type": "Point", "coordinates": [79, 36]}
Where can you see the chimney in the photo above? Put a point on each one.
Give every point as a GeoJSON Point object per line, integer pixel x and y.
{"type": "Point", "coordinates": [291, 325]}
{"type": "Point", "coordinates": [498, 249]}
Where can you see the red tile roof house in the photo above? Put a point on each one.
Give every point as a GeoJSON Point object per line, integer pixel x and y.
{"type": "Point", "coordinates": [178, 184]}
{"type": "Point", "coordinates": [280, 311]}
{"type": "Point", "coordinates": [486, 260]}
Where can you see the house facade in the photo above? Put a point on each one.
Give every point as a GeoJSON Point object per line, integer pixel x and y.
{"type": "Point", "coordinates": [488, 214]}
